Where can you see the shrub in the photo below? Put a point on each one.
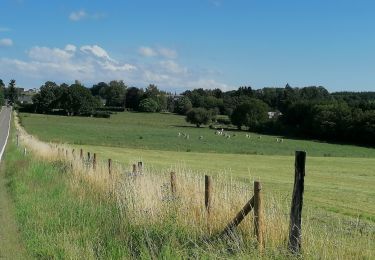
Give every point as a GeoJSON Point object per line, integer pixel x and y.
{"type": "Point", "coordinates": [199, 116]}
{"type": "Point", "coordinates": [102, 114]}
{"type": "Point", "coordinates": [148, 105]}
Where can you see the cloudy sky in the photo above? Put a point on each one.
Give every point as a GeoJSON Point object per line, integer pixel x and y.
{"type": "Point", "coordinates": [184, 44]}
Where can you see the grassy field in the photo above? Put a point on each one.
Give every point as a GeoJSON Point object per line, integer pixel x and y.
{"type": "Point", "coordinates": [338, 184]}
{"type": "Point", "coordinates": [339, 194]}
{"type": "Point", "coordinates": [160, 132]}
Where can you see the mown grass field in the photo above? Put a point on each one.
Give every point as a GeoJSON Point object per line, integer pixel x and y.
{"type": "Point", "coordinates": [160, 132]}
{"type": "Point", "coordinates": [339, 192]}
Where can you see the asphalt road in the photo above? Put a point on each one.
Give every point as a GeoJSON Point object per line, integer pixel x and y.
{"type": "Point", "coordinates": [4, 126]}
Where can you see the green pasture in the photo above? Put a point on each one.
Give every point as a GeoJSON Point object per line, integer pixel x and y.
{"type": "Point", "coordinates": [160, 132]}
{"type": "Point", "coordinates": [339, 198]}
{"type": "Point", "coordinates": [339, 185]}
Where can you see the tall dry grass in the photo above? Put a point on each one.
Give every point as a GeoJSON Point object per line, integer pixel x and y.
{"type": "Point", "coordinates": [145, 197]}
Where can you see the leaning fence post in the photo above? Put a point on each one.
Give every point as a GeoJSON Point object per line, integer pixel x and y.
{"type": "Point", "coordinates": [173, 184]}
{"type": "Point", "coordinates": [207, 193]}
{"type": "Point", "coordinates": [94, 162]}
{"type": "Point", "coordinates": [295, 232]}
{"type": "Point", "coordinates": [140, 167]}
{"type": "Point", "coordinates": [258, 214]}
{"type": "Point", "coordinates": [110, 166]}
{"type": "Point", "coordinates": [239, 217]}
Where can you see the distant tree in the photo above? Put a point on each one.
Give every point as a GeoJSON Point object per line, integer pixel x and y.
{"type": "Point", "coordinates": [183, 105]}
{"type": "Point", "coordinates": [170, 104]}
{"type": "Point", "coordinates": [99, 89]}
{"type": "Point", "coordinates": [115, 94]}
{"type": "Point", "coordinates": [2, 93]}
{"type": "Point", "coordinates": [148, 105]}
{"type": "Point", "coordinates": [12, 91]}
{"type": "Point", "coordinates": [250, 114]}
{"type": "Point", "coordinates": [47, 97]}
{"type": "Point", "coordinates": [133, 97]}
{"type": "Point", "coordinates": [199, 116]}
{"type": "Point", "coordinates": [158, 96]}
{"type": "Point", "coordinates": [79, 101]}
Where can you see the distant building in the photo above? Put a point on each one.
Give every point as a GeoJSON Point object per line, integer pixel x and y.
{"type": "Point", "coordinates": [174, 96]}
{"type": "Point", "coordinates": [26, 96]}
{"type": "Point", "coordinates": [274, 114]}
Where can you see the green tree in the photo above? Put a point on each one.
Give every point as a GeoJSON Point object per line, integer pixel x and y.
{"type": "Point", "coordinates": [114, 93]}
{"type": "Point", "coordinates": [183, 105]}
{"type": "Point", "coordinates": [77, 100]}
{"type": "Point", "coordinates": [2, 93]}
{"type": "Point", "coordinates": [148, 105]}
{"type": "Point", "coordinates": [133, 97]}
{"type": "Point", "coordinates": [99, 89]}
{"type": "Point", "coordinates": [250, 114]}
{"type": "Point", "coordinates": [199, 116]}
{"type": "Point", "coordinates": [12, 92]}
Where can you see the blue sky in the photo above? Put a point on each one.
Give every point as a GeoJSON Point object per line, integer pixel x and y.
{"type": "Point", "coordinates": [184, 44]}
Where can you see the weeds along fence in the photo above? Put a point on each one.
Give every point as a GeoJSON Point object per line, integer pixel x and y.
{"type": "Point", "coordinates": [205, 206]}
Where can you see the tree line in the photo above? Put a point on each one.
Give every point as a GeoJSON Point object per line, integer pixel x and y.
{"type": "Point", "coordinates": [306, 112]}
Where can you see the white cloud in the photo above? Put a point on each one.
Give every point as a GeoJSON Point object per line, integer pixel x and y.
{"type": "Point", "coordinates": [4, 29]}
{"type": "Point", "coordinates": [96, 51]}
{"type": "Point", "coordinates": [92, 63]}
{"type": "Point", "coordinates": [168, 53]}
{"type": "Point", "coordinates": [147, 51]}
{"type": "Point", "coordinates": [6, 42]}
{"type": "Point", "coordinates": [173, 67]}
{"type": "Point", "coordinates": [77, 15]}
{"type": "Point", "coordinates": [47, 54]}
{"type": "Point", "coordinates": [207, 84]}
{"type": "Point", "coordinates": [70, 48]}
{"type": "Point", "coordinates": [151, 52]}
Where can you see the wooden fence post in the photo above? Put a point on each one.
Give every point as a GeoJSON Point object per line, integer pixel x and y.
{"type": "Point", "coordinates": [208, 193]}
{"type": "Point", "coordinates": [88, 156]}
{"type": "Point", "coordinates": [94, 162]}
{"type": "Point", "coordinates": [110, 166]}
{"type": "Point", "coordinates": [66, 153]}
{"type": "Point", "coordinates": [73, 154]}
{"type": "Point", "coordinates": [134, 169]}
{"type": "Point", "coordinates": [173, 184]}
{"type": "Point", "coordinates": [140, 167]}
{"type": "Point", "coordinates": [81, 154]}
{"type": "Point", "coordinates": [258, 214]}
{"type": "Point", "coordinates": [295, 232]}
{"type": "Point", "coordinates": [17, 140]}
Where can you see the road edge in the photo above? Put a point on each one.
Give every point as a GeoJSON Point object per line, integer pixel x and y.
{"type": "Point", "coordinates": [6, 139]}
